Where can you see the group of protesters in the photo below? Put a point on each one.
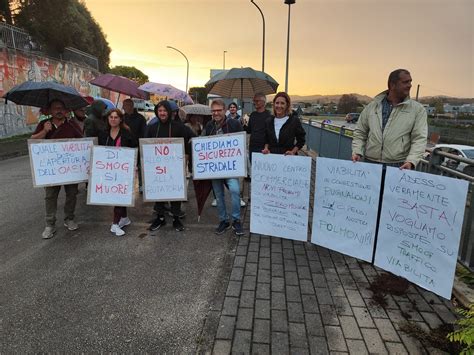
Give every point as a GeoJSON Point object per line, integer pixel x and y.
{"type": "Point", "coordinates": [280, 133]}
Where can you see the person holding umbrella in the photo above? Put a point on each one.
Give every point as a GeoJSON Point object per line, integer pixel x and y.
{"type": "Point", "coordinates": [95, 125]}
{"type": "Point", "coordinates": [137, 125]}
{"type": "Point", "coordinates": [118, 134]}
{"type": "Point", "coordinates": [166, 127]}
{"type": "Point", "coordinates": [55, 128]}
{"type": "Point", "coordinates": [256, 125]}
{"type": "Point", "coordinates": [284, 133]}
{"type": "Point", "coordinates": [223, 125]}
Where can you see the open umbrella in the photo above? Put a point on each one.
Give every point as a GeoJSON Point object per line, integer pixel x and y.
{"type": "Point", "coordinates": [167, 90]}
{"type": "Point", "coordinates": [196, 109]}
{"type": "Point", "coordinates": [241, 82]}
{"type": "Point", "coordinates": [41, 93]}
{"type": "Point", "coordinates": [119, 84]}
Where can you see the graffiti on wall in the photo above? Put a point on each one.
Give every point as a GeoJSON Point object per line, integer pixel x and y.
{"type": "Point", "coordinates": [17, 67]}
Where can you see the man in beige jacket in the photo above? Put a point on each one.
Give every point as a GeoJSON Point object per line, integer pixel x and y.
{"type": "Point", "coordinates": [392, 129]}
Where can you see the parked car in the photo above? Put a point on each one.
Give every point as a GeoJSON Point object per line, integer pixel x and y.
{"type": "Point", "coordinates": [352, 117]}
{"type": "Point", "coordinates": [143, 105]}
{"type": "Point", "coordinates": [465, 151]}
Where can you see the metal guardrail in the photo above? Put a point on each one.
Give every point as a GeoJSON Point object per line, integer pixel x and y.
{"type": "Point", "coordinates": [19, 39]}
{"type": "Point", "coordinates": [16, 38]}
{"type": "Point", "coordinates": [332, 141]}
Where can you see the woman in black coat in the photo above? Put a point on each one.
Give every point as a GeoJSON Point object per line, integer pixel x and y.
{"type": "Point", "coordinates": [284, 133]}
{"type": "Point", "coordinates": [118, 135]}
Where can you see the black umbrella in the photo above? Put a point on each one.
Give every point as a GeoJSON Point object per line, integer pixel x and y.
{"type": "Point", "coordinates": [41, 93]}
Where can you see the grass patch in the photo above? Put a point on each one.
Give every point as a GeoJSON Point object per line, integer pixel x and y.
{"type": "Point", "coordinates": [466, 275]}
{"type": "Point", "coordinates": [436, 338]}
{"type": "Point", "coordinates": [16, 138]}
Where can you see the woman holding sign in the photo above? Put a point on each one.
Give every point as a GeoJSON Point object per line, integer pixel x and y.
{"type": "Point", "coordinates": [118, 135]}
{"type": "Point", "coordinates": [284, 133]}
{"type": "Point", "coordinates": [166, 127]}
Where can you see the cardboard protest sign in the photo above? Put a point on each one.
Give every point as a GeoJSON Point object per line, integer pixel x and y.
{"type": "Point", "coordinates": [60, 161]}
{"type": "Point", "coordinates": [420, 228]}
{"type": "Point", "coordinates": [280, 195]}
{"type": "Point", "coordinates": [112, 176]}
{"type": "Point", "coordinates": [346, 200]}
{"type": "Point", "coordinates": [219, 157]}
{"type": "Point", "coordinates": [163, 169]}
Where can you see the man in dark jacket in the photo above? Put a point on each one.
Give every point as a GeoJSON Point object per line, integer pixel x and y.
{"type": "Point", "coordinates": [256, 124]}
{"type": "Point", "coordinates": [95, 124]}
{"type": "Point", "coordinates": [166, 127]}
{"type": "Point", "coordinates": [220, 124]}
{"type": "Point", "coordinates": [137, 125]}
{"type": "Point", "coordinates": [58, 127]}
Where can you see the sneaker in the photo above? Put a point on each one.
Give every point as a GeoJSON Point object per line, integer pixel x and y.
{"type": "Point", "coordinates": [181, 214]}
{"type": "Point", "coordinates": [48, 232]}
{"type": "Point", "coordinates": [124, 221]}
{"type": "Point", "coordinates": [242, 203]}
{"type": "Point", "coordinates": [157, 223]}
{"type": "Point", "coordinates": [237, 227]}
{"type": "Point", "coordinates": [177, 225]}
{"type": "Point", "coordinates": [117, 230]}
{"type": "Point", "coordinates": [214, 203]}
{"type": "Point", "coordinates": [222, 227]}
{"type": "Point", "coordinates": [70, 225]}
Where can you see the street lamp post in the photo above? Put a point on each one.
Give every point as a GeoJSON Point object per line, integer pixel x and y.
{"type": "Point", "coordinates": [288, 2]}
{"type": "Point", "coordinates": [263, 41]}
{"type": "Point", "coordinates": [187, 65]}
{"type": "Point", "coordinates": [223, 66]}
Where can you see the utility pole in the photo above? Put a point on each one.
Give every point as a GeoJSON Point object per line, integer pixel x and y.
{"type": "Point", "coordinates": [417, 91]}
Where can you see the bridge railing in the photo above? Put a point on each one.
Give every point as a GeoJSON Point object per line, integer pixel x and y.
{"type": "Point", "coordinates": [334, 141]}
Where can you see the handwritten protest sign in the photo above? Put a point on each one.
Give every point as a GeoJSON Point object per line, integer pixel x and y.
{"type": "Point", "coordinates": [60, 161]}
{"type": "Point", "coordinates": [219, 157]}
{"type": "Point", "coordinates": [420, 227]}
{"type": "Point", "coordinates": [163, 169]}
{"type": "Point", "coordinates": [112, 176]}
{"type": "Point", "coordinates": [346, 199]}
{"type": "Point", "coordinates": [280, 195]}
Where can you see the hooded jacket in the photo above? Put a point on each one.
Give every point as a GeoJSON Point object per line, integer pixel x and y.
{"type": "Point", "coordinates": [403, 139]}
{"type": "Point", "coordinates": [170, 128]}
{"type": "Point", "coordinates": [94, 124]}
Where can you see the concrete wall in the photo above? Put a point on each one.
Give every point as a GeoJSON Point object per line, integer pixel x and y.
{"type": "Point", "coordinates": [17, 67]}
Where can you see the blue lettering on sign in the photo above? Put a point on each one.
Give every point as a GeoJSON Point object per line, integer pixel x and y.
{"type": "Point", "coordinates": [213, 167]}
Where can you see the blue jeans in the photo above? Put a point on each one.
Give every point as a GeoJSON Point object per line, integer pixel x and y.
{"type": "Point", "coordinates": [234, 189]}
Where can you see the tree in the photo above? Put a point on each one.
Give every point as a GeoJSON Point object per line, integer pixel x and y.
{"type": "Point", "coordinates": [130, 72]}
{"type": "Point", "coordinates": [198, 94]}
{"type": "Point", "coordinates": [57, 24]}
{"type": "Point", "coordinates": [6, 11]}
{"type": "Point", "coordinates": [348, 103]}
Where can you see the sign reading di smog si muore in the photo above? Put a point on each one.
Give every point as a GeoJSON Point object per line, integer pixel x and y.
{"type": "Point", "coordinates": [219, 157]}
{"type": "Point", "coordinates": [112, 176]}
{"type": "Point", "coordinates": [60, 161]}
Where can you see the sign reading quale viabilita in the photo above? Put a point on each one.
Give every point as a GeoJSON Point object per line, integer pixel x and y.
{"type": "Point", "coordinates": [280, 195]}
{"type": "Point", "coordinates": [420, 228]}
{"type": "Point", "coordinates": [60, 161]}
{"type": "Point", "coordinates": [346, 200]}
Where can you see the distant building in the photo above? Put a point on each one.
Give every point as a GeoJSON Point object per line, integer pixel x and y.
{"type": "Point", "coordinates": [429, 110]}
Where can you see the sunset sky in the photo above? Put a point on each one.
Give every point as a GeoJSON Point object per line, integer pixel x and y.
{"type": "Point", "coordinates": [336, 46]}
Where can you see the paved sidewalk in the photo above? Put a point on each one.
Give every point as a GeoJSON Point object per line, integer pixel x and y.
{"type": "Point", "coordinates": [286, 296]}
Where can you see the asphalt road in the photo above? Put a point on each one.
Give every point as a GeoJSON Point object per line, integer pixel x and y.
{"type": "Point", "coordinates": [89, 291]}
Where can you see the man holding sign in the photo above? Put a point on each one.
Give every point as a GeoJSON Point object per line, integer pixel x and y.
{"type": "Point", "coordinates": [220, 124]}
{"type": "Point", "coordinates": [55, 128]}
